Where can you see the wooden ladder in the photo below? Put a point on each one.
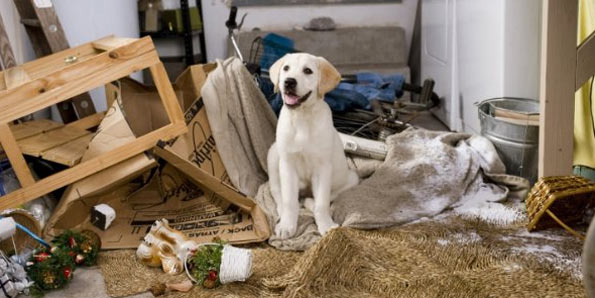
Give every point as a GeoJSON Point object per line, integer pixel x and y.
{"type": "Point", "coordinates": [47, 37]}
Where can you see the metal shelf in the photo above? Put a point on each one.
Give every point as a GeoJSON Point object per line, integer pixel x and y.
{"type": "Point", "coordinates": [166, 34]}
{"type": "Point", "coordinates": [187, 35]}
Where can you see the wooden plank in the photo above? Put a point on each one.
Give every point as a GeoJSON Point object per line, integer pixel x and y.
{"type": "Point", "coordinates": [585, 61]}
{"type": "Point", "coordinates": [15, 156]}
{"type": "Point", "coordinates": [15, 76]}
{"type": "Point", "coordinates": [37, 144]}
{"type": "Point", "coordinates": [111, 42]}
{"type": "Point", "coordinates": [76, 79]}
{"type": "Point", "coordinates": [88, 122]}
{"type": "Point", "coordinates": [165, 90]}
{"type": "Point", "coordinates": [7, 59]}
{"type": "Point", "coordinates": [44, 66]}
{"type": "Point", "coordinates": [31, 128]}
{"type": "Point", "coordinates": [91, 166]}
{"type": "Point", "coordinates": [70, 153]}
{"type": "Point", "coordinates": [557, 86]}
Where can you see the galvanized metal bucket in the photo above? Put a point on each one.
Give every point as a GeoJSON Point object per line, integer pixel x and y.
{"type": "Point", "coordinates": [515, 140]}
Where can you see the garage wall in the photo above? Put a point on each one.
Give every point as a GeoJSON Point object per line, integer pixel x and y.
{"type": "Point", "coordinates": [215, 13]}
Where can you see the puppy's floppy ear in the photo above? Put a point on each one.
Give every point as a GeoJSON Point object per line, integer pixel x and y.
{"type": "Point", "coordinates": [329, 77]}
{"type": "Point", "coordinates": [274, 72]}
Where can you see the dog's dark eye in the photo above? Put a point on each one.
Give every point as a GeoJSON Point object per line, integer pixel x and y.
{"type": "Point", "coordinates": [307, 71]}
{"type": "Point", "coordinates": [286, 67]}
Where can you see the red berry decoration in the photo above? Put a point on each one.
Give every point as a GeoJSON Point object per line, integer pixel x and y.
{"type": "Point", "coordinates": [72, 242]}
{"type": "Point", "coordinates": [212, 275]}
{"type": "Point", "coordinates": [67, 273]}
{"type": "Point", "coordinates": [42, 256]}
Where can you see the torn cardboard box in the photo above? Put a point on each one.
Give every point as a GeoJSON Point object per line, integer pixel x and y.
{"type": "Point", "coordinates": [140, 113]}
{"type": "Point", "coordinates": [193, 209]}
{"type": "Point", "coordinates": [73, 209]}
{"type": "Point", "coordinates": [192, 191]}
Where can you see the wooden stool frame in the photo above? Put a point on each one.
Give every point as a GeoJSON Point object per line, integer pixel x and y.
{"type": "Point", "coordinates": [56, 78]}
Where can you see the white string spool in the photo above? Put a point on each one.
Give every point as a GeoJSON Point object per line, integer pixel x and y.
{"type": "Point", "coordinates": [236, 264]}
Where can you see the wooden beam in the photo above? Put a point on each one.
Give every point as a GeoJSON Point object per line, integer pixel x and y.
{"type": "Point", "coordinates": [165, 90]}
{"type": "Point", "coordinates": [88, 122]}
{"type": "Point", "coordinates": [37, 144]}
{"type": "Point", "coordinates": [557, 86]}
{"type": "Point", "coordinates": [110, 42]}
{"type": "Point", "coordinates": [15, 76]}
{"type": "Point", "coordinates": [31, 128]}
{"type": "Point", "coordinates": [76, 79]}
{"type": "Point", "coordinates": [69, 154]}
{"type": "Point", "coordinates": [585, 61]}
{"type": "Point", "coordinates": [44, 66]}
{"type": "Point", "coordinates": [9, 144]}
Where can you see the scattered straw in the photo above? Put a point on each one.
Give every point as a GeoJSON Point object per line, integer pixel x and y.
{"type": "Point", "coordinates": [454, 257]}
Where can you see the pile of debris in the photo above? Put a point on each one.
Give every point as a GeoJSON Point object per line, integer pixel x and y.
{"type": "Point", "coordinates": [117, 172]}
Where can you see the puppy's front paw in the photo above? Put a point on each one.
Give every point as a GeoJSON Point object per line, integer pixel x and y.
{"type": "Point", "coordinates": [286, 229]}
{"type": "Point", "coordinates": [323, 228]}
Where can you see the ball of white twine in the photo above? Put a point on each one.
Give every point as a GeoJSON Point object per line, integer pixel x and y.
{"type": "Point", "coordinates": [236, 264]}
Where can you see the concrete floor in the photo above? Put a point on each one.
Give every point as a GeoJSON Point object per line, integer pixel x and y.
{"type": "Point", "coordinates": [87, 283]}
{"type": "Point", "coordinates": [426, 120]}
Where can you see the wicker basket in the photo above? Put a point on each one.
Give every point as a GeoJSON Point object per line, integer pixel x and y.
{"type": "Point", "coordinates": [563, 198]}
{"type": "Point", "coordinates": [21, 239]}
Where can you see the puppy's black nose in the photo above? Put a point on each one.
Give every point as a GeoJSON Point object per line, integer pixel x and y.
{"type": "Point", "coordinates": [290, 83]}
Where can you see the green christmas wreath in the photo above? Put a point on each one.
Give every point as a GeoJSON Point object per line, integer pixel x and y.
{"type": "Point", "coordinates": [52, 268]}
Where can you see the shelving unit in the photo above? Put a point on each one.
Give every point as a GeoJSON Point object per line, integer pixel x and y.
{"type": "Point", "coordinates": [187, 35]}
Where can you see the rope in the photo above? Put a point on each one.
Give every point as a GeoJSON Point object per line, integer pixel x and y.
{"type": "Point", "coordinates": [236, 264]}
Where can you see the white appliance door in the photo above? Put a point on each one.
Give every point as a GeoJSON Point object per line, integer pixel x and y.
{"type": "Point", "coordinates": [438, 57]}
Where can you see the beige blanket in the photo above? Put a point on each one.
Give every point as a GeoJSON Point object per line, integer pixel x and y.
{"type": "Point", "coordinates": [424, 173]}
{"type": "Point", "coordinates": [242, 122]}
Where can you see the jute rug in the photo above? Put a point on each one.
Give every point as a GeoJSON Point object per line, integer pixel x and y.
{"type": "Point", "coordinates": [447, 257]}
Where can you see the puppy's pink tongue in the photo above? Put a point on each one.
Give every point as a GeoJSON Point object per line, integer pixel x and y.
{"type": "Point", "coordinates": [291, 99]}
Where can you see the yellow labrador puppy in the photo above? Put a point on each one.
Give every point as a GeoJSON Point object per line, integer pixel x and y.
{"type": "Point", "coordinates": [307, 154]}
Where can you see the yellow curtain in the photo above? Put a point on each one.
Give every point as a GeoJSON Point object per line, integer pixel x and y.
{"type": "Point", "coordinates": [584, 130]}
